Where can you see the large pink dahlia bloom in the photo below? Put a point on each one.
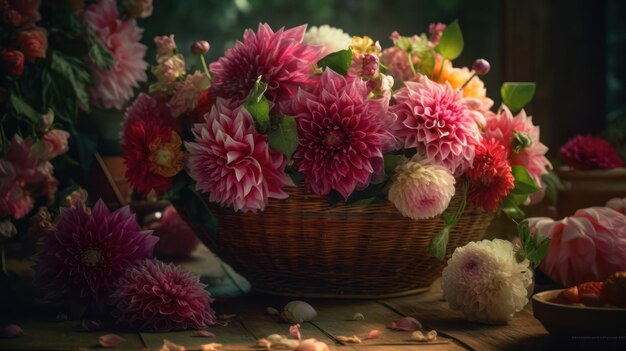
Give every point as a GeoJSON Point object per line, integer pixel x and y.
{"type": "Point", "coordinates": [111, 89]}
{"type": "Point", "coordinates": [233, 163]}
{"type": "Point", "coordinates": [502, 127]}
{"type": "Point", "coordinates": [83, 256]}
{"type": "Point", "coordinates": [152, 295]}
{"type": "Point", "coordinates": [433, 118]}
{"type": "Point", "coordinates": [281, 58]}
{"type": "Point", "coordinates": [342, 135]}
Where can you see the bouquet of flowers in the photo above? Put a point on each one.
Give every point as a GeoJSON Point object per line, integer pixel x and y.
{"type": "Point", "coordinates": [339, 116]}
{"type": "Point", "coordinates": [58, 61]}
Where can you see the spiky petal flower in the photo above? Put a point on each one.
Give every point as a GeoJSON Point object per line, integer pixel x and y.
{"type": "Point", "coordinates": [112, 88]}
{"type": "Point", "coordinates": [342, 135]}
{"type": "Point", "coordinates": [83, 256]}
{"type": "Point", "coordinates": [232, 162]}
{"type": "Point", "coordinates": [332, 39]}
{"type": "Point", "coordinates": [281, 58]}
{"type": "Point", "coordinates": [152, 147]}
{"type": "Point", "coordinates": [490, 176]}
{"type": "Point", "coordinates": [433, 119]}
{"type": "Point", "coordinates": [485, 282]}
{"type": "Point", "coordinates": [421, 189]}
{"type": "Point", "coordinates": [155, 296]}
{"type": "Point", "coordinates": [589, 152]}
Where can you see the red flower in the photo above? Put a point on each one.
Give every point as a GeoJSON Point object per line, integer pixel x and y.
{"type": "Point", "coordinates": [589, 152]}
{"type": "Point", "coordinates": [206, 100]}
{"type": "Point", "coordinates": [490, 176]}
{"type": "Point", "coordinates": [21, 13]}
{"type": "Point", "coordinates": [33, 43]}
{"type": "Point", "coordinates": [12, 62]}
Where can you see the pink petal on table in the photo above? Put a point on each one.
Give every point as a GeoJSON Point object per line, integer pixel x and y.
{"type": "Point", "coordinates": [294, 331]}
{"type": "Point", "coordinates": [110, 340]}
{"type": "Point", "coordinates": [205, 334]}
{"type": "Point", "coordinates": [349, 339]}
{"type": "Point", "coordinates": [210, 347]}
{"type": "Point", "coordinates": [170, 346]}
{"type": "Point", "coordinates": [264, 343]}
{"type": "Point", "coordinates": [312, 345]}
{"type": "Point", "coordinates": [12, 331]}
{"type": "Point", "coordinates": [406, 324]}
{"type": "Point", "coordinates": [373, 334]}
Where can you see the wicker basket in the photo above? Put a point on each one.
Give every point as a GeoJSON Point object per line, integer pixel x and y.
{"type": "Point", "coordinates": [303, 247]}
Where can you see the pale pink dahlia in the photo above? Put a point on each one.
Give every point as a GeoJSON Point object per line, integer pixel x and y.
{"type": "Point", "coordinates": [83, 256]}
{"type": "Point", "coordinates": [111, 89]}
{"type": "Point", "coordinates": [281, 58]}
{"type": "Point", "coordinates": [342, 135]}
{"type": "Point", "coordinates": [433, 119]}
{"type": "Point", "coordinates": [420, 189]}
{"type": "Point", "coordinates": [232, 162]}
{"type": "Point", "coordinates": [503, 127]}
{"type": "Point", "coordinates": [152, 295]}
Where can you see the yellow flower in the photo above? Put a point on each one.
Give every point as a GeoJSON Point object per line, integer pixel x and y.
{"type": "Point", "coordinates": [365, 45]}
{"type": "Point", "coordinates": [458, 76]}
{"type": "Point", "coordinates": [166, 158]}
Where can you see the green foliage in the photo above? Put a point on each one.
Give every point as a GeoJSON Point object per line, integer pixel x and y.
{"type": "Point", "coordinates": [284, 135]}
{"type": "Point", "coordinates": [23, 110]}
{"type": "Point", "coordinates": [99, 54]}
{"type": "Point", "coordinates": [524, 186]}
{"type": "Point", "coordinates": [516, 95]}
{"type": "Point", "coordinates": [339, 61]}
{"type": "Point", "coordinates": [391, 162]}
{"type": "Point", "coordinates": [65, 83]}
{"type": "Point", "coordinates": [439, 243]}
{"type": "Point", "coordinates": [553, 186]}
{"type": "Point", "coordinates": [373, 193]}
{"type": "Point", "coordinates": [451, 43]}
{"type": "Point", "coordinates": [259, 107]}
{"type": "Point", "coordinates": [86, 145]}
{"type": "Point", "coordinates": [533, 247]}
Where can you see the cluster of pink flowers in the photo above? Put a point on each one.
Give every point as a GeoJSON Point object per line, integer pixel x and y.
{"type": "Point", "coordinates": [346, 122]}
{"type": "Point", "coordinates": [30, 42]}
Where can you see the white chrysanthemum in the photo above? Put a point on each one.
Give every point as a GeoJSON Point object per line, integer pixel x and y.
{"type": "Point", "coordinates": [485, 282]}
{"type": "Point", "coordinates": [331, 38]}
{"type": "Point", "coordinates": [421, 189]}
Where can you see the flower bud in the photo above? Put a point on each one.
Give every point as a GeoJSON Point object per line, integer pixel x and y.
{"type": "Point", "coordinates": [33, 43]}
{"type": "Point", "coordinates": [200, 47]}
{"type": "Point", "coordinates": [481, 67]}
{"type": "Point", "coordinates": [12, 62]}
{"type": "Point", "coordinates": [138, 8]}
{"type": "Point", "coordinates": [520, 141]}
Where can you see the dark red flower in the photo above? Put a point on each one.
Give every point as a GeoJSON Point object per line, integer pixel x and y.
{"type": "Point", "coordinates": [589, 152]}
{"type": "Point", "coordinates": [490, 176]}
{"type": "Point", "coordinates": [12, 62]}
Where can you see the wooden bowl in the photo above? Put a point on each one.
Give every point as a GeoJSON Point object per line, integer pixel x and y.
{"type": "Point", "coordinates": [565, 320]}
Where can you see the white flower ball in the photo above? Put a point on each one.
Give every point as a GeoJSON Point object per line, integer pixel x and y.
{"type": "Point", "coordinates": [331, 38]}
{"type": "Point", "coordinates": [485, 282]}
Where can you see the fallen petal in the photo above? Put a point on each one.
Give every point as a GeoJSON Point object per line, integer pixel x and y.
{"type": "Point", "coordinates": [264, 343]}
{"type": "Point", "coordinates": [431, 335]}
{"type": "Point", "coordinates": [170, 346]}
{"type": "Point", "coordinates": [418, 336]}
{"type": "Point", "coordinates": [12, 331]}
{"type": "Point", "coordinates": [312, 345]}
{"type": "Point", "coordinates": [358, 317]}
{"type": "Point", "coordinates": [272, 311]}
{"type": "Point", "coordinates": [294, 331]}
{"type": "Point", "coordinates": [205, 334]}
{"type": "Point", "coordinates": [226, 316]}
{"type": "Point", "coordinates": [373, 334]}
{"type": "Point", "coordinates": [406, 324]}
{"type": "Point", "coordinates": [110, 340]}
{"type": "Point", "coordinates": [89, 325]}
{"type": "Point", "coordinates": [298, 312]}
{"type": "Point", "coordinates": [349, 339]}
{"type": "Point", "coordinates": [275, 338]}
{"type": "Point", "coordinates": [210, 347]}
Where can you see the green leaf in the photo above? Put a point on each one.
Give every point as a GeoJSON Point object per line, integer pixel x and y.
{"type": "Point", "coordinates": [339, 61]}
{"type": "Point", "coordinates": [65, 85]}
{"type": "Point", "coordinates": [258, 106]}
{"type": "Point", "coordinates": [451, 43]}
{"type": "Point", "coordinates": [534, 247]}
{"type": "Point", "coordinates": [427, 63]}
{"type": "Point", "coordinates": [448, 219]}
{"type": "Point", "coordinates": [404, 43]}
{"type": "Point", "coordinates": [371, 193]}
{"type": "Point", "coordinates": [391, 162]}
{"type": "Point", "coordinates": [86, 145]}
{"type": "Point", "coordinates": [284, 136]}
{"type": "Point", "coordinates": [438, 244]}
{"type": "Point", "coordinates": [99, 54]}
{"type": "Point", "coordinates": [524, 183]}
{"type": "Point", "coordinates": [23, 109]}
{"type": "Point", "coordinates": [539, 251]}
{"type": "Point", "coordinates": [553, 186]}
{"type": "Point", "coordinates": [517, 94]}
{"type": "Point", "coordinates": [511, 209]}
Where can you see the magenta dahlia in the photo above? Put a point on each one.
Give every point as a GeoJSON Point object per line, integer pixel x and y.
{"type": "Point", "coordinates": [589, 152]}
{"type": "Point", "coordinates": [155, 296]}
{"type": "Point", "coordinates": [341, 135]}
{"type": "Point", "coordinates": [113, 88]}
{"type": "Point", "coordinates": [433, 118]}
{"type": "Point", "coordinates": [490, 176]}
{"type": "Point", "coordinates": [232, 162]}
{"type": "Point", "coordinates": [86, 252]}
{"type": "Point", "coordinates": [281, 58]}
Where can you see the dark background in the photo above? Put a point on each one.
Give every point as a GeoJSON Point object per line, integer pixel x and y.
{"type": "Point", "coordinates": [573, 49]}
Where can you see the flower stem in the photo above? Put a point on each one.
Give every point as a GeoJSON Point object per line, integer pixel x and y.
{"type": "Point", "coordinates": [204, 66]}
{"type": "Point", "coordinates": [411, 64]}
{"type": "Point", "coordinates": [467, 82]}
{"type": "Point", "coordinates": [443, 62]}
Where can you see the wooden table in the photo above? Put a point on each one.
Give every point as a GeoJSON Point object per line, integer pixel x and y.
{"type": "Point", "coordinates": [253, 322]}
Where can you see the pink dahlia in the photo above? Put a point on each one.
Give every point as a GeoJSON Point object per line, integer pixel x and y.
{"type": "Point", "coordinates": [397, 62]}
{"type": "Point", "coordinates": [83, 256]}
{"type": "Point", "coordinates": [342, 135]}
{"type": "Point", "coordinates": [490, 176]}
{"type": "Point", "coordinates": [281, 58]}
{"type": "Point", "coordinates": [233, 163]}
{"type": "Point", "coordinates": [617, 204]}
{"type": "Point", "coordinates": [589, 152]}
{"type": "Point", "coordinates": [152, 147]}
{"type": "Point", "coordinates": [111, 89]}
{"type": "Point", "coordinates": [433, 119]}
{"type": "Point", "coordinates": [507, 128]}
{"type": "Point", "coordinates": [176, 239]}
{"type": "Point", "coordinates": [588, 246]}
{"type": "Point", "coordinates": [155, 296]}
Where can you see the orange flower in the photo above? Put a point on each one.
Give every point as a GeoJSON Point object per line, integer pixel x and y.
{"type": "Point", "coordinates": [166, 158]}
{"type": "Point", "coordinates": [457, 77]}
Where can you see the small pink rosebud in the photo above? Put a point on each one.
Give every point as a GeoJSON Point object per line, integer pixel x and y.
{"type": "Point", "coordinates": [481, 67]}
{"type": "Point", "coordinates": [394, 36]}
{"type": "Point", "coordinates": [200, 47]}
